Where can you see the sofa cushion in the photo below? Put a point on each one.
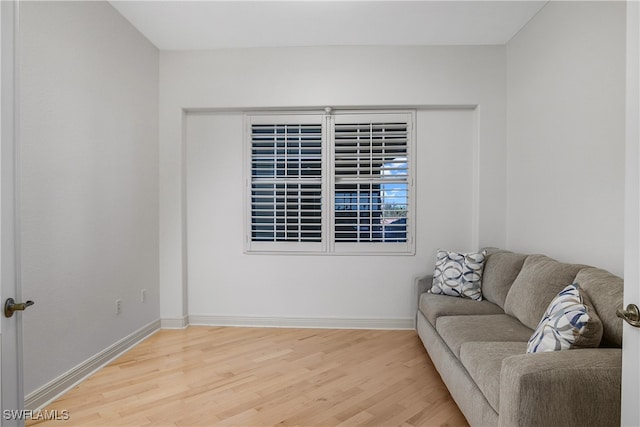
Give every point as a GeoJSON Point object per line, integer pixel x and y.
{"type": "Point", "coordinates": [500, 270]}
{"type": "Point", "coordinates": [463, 389]}
{"type": "Point", "coordinates": [456, 330]}
{"type": "Point", "coordinates": [458, 274]}
{"type": "Point", "coordinates": [483, 361]}
{"type": "Point", "coordinates": [569, 322]}
{"type": "Point", "coordinates": [605, 291]}
{"type": "Point", "coordinates": [434, 306]}
{"type": "Point", "coordinates": [539, 281]}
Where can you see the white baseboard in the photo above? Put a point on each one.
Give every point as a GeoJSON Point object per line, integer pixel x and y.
{"type": "Point", "coordinates": [55, 388]}
{"type": "Point", "coordinates": [174, 323]}
{"type": "Point", "coordinates": [302, 322]}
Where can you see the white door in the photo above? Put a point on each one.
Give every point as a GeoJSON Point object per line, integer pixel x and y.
{"type": "Point", "coordinates": [12, 396]}
{"type": "Point", "coordinates": [631, 335]}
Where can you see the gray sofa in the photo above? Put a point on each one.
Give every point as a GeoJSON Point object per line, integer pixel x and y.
{"type": "Point", "coordinates": [479, 347]}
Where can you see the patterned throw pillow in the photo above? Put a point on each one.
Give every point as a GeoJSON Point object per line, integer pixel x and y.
{"type": "Point", "coordinates": [569, 322]}
{"type": "Point", "coordinates": [459, 274]}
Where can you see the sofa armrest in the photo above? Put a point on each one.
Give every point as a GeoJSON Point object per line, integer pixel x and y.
{"type": "Point", "coordinates": [571, 387]}
{"type": "Point", "coordinates": [422, 284]}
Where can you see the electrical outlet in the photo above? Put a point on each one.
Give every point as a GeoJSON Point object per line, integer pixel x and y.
{"type": "Point", "coordinates": [118, 306]}
{"type": "Point", "coordinates": [143, 295]}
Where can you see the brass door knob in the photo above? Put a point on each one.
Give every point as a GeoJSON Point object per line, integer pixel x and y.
{"type": "Point", "coordinates": [631, 315]}
{"type": "Point", "coordinates": [10, 306]}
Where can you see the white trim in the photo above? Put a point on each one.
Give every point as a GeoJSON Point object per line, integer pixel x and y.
{"type": "Point", "coordinates": [630, 402]}
{"type": "Point", "coordinates": [58, 386]}
{"type": "Point", "coordinates": [174, 323]}
{"type": "Point", "coordinates": [302, 322]}
{"type": "Point", "coordinates": [184, 234]}
{"type": "Point", "coordinates": [475, 170]}
{"type": "Point", "coordinates": [12, 392]}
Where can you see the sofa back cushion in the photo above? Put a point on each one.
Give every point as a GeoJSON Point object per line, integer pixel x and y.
{"type": "Point", "coordinates": [538, 283]}
{"type": "Point", "coordinates": [500, 270]}
{"type": "Point", "coordinates": [605, 291]}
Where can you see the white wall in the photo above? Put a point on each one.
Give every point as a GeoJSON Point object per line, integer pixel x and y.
{"type": "Point", "coordinates": [226, 285]}
{"type": "Point", "coordinates": [565, 134]}
{"type": "Point", "coordinates": [233, 284]}
{"type": "Point", "coordinates": [89, 182]}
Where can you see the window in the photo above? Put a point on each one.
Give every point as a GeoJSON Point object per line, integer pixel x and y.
{"type": "Point", "coordinates": [334, 183]}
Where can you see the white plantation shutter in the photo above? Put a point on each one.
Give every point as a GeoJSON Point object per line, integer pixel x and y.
{"type": "Point", "coordinates": [372, 182]}
{"type": "Point", "coordinates": [334, 183]}
{"type": "Point", "coordinates": [286, 182]}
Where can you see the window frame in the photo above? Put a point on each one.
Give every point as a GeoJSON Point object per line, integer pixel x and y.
{"type": "Point", "coordinates": [328, 244]}
{"type": "Point", "coordinates": [252, 246]}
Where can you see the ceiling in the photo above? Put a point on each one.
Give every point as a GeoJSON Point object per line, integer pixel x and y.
{"type": "Point", "coordinates": [188, 25]}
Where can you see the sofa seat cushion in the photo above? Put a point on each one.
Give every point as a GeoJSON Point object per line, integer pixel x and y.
{"type": "Point", "coordinates": [538, 283]}
{"type": "Point", "coordinates": [434, 306]}
{"type": "Point", "coordinates": [483, 361]}
{"type": "Point", "coordinates": [457, 330]}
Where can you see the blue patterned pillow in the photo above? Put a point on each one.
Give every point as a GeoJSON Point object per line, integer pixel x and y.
{"type": "Point", "coordinates": [569, 322]}
{"type": "Point", "coordinates": [458, 274]}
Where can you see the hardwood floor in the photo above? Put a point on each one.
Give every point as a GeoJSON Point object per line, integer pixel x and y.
{"type": "Point", "coordinates": [204, 376]}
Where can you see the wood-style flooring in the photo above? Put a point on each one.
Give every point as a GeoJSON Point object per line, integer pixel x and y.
{"type": "Point", "coordinates": [222, 376]}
